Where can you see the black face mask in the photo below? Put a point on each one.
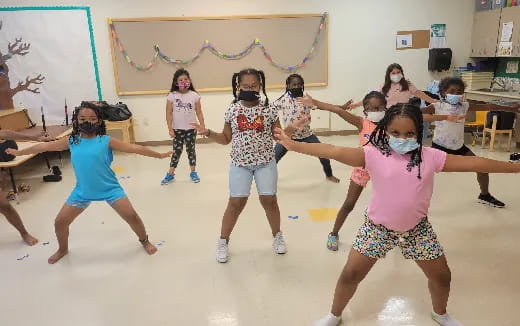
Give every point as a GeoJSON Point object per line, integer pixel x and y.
{"type": "Point", "coordinates": [89, 127]}
{"type": "Point", "coordinates": [248, 96]}
{"type": "Point", "coordinates": [296, 92]}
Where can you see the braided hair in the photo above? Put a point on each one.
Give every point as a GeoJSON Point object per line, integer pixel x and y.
{"type": "Point", "coordinates": [237, 77]}
{"type": "Point", "coordinates": [371, 95]}
{"type": "Point", "coordinates": [379, 138]}
{"type": "Point", "coordinates": [176, 75]}
{"type": "Point", "coordinates": [74, 136]}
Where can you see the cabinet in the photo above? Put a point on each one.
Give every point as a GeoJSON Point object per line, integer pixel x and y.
{"type": "Point", "coordinates": [484, 39]}
{"type": "Point", "coordinates": [509, 15]}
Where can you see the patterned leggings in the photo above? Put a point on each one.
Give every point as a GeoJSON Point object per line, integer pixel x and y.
{"type": "Point", "coordinates": [181, 137]}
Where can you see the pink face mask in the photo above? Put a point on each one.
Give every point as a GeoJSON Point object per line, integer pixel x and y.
{"type": "Point", "coordinates": [184, 85]}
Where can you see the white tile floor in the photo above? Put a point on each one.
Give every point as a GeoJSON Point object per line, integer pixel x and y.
{"type": "Point", "coordinates": [108, 279]}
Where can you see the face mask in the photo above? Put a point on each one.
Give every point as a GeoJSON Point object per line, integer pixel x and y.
{"type": "Point", "coordinates": [396, 78]}
{"type": "Point", "coordinates": [453, 99]}
{"type": "Point", "coordinates": [375, 116]}
{"type": "Point", "coordinates": [184, 85]}
{"type": "Point", "coordinates": [296, 92]}
{"type": "Point", "coordinates": [248, 96]}
{"type": "Point", "coordinates": [403, 145]}
{"type": "Point", "coordinates": [88, 127]}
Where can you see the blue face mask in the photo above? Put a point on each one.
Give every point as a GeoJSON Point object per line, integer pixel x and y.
{"type": "Point", "coordinates": [453, 99]}
{"type": "Point", "coordinates": [403, 145]}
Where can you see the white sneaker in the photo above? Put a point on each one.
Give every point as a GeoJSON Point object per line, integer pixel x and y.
{"type": "Point", "coordinates": [222, 251]}
{"type": "Point", "coordinates": [445, 320]}
{"type": "Point", "coordinates": [329, 320]}
{"type": "Point", "coordinates": [279, 244]}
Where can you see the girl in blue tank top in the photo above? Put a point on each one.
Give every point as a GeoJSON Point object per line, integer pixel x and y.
{"type": "Point", "coordinates": [91, 156]}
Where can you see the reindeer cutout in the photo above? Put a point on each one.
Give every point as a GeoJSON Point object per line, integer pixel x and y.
{"type": "Point", "coordinates": [6, 92]}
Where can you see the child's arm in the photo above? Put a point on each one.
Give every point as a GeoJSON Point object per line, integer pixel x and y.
{"type": "Point", "coordinates": [349, 156]}
{"type": "Point", "coordinates": [347, 116]}
{"type": "Point", "coordinates": [475, 106]}
{"type": "Point", "coordinates": [222, 138]}
{"type": "Point", "coordinates": [121, 146]}
{"type": "Point", "coordinates": [53, 146]}
{"type": "Point", "coordinates": [9, 134]}
{"type": "Point", "coordinates": [169, 117]}
{"type": "Point", "coordinates": [456, 163]}
{"type": "Point", "coordinates": [200, 115]}
{"type": "Point", "coordinates": [423, 96]}
{"type": "Point", "coordinates": [442, 117]}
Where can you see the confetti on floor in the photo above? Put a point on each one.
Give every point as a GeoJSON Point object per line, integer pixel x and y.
{"type": "Point", "coordinates": [293, 217]}
{"type": "Point", "coordinates": [23, 258]}
{"type": "Point", "coordinates": [323, 214]}
{"type": "Point", "coordinates": [118, 169]}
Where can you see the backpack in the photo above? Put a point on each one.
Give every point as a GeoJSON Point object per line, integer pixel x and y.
{"type": "Point", "coordinates": [505, 120]}
{"type": "Point", "coordinates": [5, 144]}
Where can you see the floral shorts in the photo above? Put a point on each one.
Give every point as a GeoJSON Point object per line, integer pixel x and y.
{"type": "Point", "coordinates": [360, 176]}
{"type": "Point", "coordinates": [420, 243]}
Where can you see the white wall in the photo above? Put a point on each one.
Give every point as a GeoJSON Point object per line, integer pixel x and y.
{"type": "Point", "coordinates": [361, 45]}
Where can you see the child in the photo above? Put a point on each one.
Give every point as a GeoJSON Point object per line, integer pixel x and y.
{"type": "Point", "coordinates": [449, 136]}
{"type": "Point", "coordinates": [249, 125]}
{"type": "Point", "coordinates": [5, 207]}
{"type": "Point", "coordinates": [374, 105]}
{"type": "Point", "coordinates": [402, 173]}
{"type": "Point", "coordinates": [91, 156]}
{"type": "Point", "coordinates": [397, 89]}
{"type": "Point", "coordinates": [293, 111]}
{"type": "Point", "coordinates": [182, 108]}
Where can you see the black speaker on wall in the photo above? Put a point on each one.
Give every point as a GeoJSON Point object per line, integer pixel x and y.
{"type": "Point", "coordinates": [440, 59]}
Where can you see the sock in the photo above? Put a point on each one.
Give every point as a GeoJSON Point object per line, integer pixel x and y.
{"type": "Point", "coordinates": [445, 320]}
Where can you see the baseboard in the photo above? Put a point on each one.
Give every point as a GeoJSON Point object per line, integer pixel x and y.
{"type": "Point", "coordinates": [202, 140]}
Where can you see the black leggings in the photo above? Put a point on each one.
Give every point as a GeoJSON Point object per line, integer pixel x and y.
{"type": "Point", "coordinates": [181, 137]}
{"type": "Point", "coordinates": [280, 151]}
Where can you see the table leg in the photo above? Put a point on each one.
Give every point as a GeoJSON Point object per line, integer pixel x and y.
{"type": "Point", "coordinates": [13, 183]}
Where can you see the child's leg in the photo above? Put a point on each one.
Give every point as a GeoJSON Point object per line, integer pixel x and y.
{"type": "Point", "coordinates": [191, 136]}
{"type": "Point", "coordinates": [439, 278]}
{"type": "Point", "coordinates": [65, 217]}
{"type": "Point", "coordinates": [272, 212]}
{"type": "Point", "coordinates": [124, 208]}
{"type": "Point", "coordinates": [279, 152]}
{"type": "Point", "coordinates": [355, 270]}
{"type": "Point", "coordinates": [482, 178]}
{"type": "Point", "coordinates": [325, 163]}
{"type": "Point", "coordinates": [354, 191]}
{"type": "Point", "coordinates": [234, 207]}
{"type": "Point", "coordinates": [178, 144]}
{"type": "Point", "coordinates": [12, 217]}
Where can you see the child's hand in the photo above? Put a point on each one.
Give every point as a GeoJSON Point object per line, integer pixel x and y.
{"type": "Point", "coordinates": [300, 123]}
{"type": "Point", "coordinates": [306, 100]}
{"type": "Point", "coordinates": [348, 106]}
{"type": "Point", "coordinates": [172, 133]}
{"type": "Point", "coordinates": [166, 155]}
{"type": "Point", "coordinates": [12, 151]}
{"type": "Point", "coordinates": [456, 118]}
{"type": "Point", "coordinates": [283, 139]}
{"type": "Point", "coordinates": [43, 137]}
{"type": "Point", "coordinates": [200, 128]}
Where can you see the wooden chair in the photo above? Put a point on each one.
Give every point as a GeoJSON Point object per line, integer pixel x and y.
{"type": "Point", "coordinates": [480, 122]}
{"type": "Point", "coordinates": [126, 127]}
{"type": "Point", "coordinates": [493, 132]}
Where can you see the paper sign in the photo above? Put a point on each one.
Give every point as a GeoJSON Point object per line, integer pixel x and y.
{"type": "Point", "coordinates": [512, 67]}
{"type": "Point", "coordinates": [507, 32]}
{"type": "Point", "coordinates": [505, 49]}
{"type": "Point", "coordinates": [404, 41]}
{"type": "Point", "coordinates": [438, 30]}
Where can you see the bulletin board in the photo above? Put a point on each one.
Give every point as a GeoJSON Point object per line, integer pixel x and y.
{"type": "Point", "coordinates": [147, 51]}
{"type": "Point", "coordinates": [420, 39]}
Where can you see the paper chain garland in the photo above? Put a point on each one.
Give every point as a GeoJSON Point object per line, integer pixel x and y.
{"type": "Point", "coordinates": [208, 45]}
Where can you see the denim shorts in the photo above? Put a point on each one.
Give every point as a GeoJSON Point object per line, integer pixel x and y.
{"type": "Point", "coordinates": [82, 203]}
{"type": "Point", "coordinates": [240, 179]}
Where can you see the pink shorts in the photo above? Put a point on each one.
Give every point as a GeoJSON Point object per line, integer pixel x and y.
{"type": "Point", "coordinates": [360, 176]}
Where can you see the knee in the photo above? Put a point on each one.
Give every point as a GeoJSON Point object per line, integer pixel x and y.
{"type": "Point", "coordinates": [237, 203]}
{"type": "Point", "coordinates": [351, 276]}
{"type": "Point", "coordinates": [61, 223]}
{"type": "Point", "coordinates": [442, 278]}
{"type": "Point", "coordinates": [268, 201]}
{"type": "Point", "coordinates": [5, 206]}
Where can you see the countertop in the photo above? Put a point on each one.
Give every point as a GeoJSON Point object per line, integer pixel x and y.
{"type": "Point", "coordinates": [512, 95]}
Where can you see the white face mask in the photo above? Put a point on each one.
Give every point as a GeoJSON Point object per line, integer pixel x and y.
{"type": "Point", "coordinates": [375, 116]}
{"type": "Point", "coordinates": [396, 78]}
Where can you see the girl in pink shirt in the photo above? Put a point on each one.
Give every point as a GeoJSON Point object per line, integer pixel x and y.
{"type": "Point", "coordinates": [402, 173]}
{"type": "Point", "coordinates": [397, 89]}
